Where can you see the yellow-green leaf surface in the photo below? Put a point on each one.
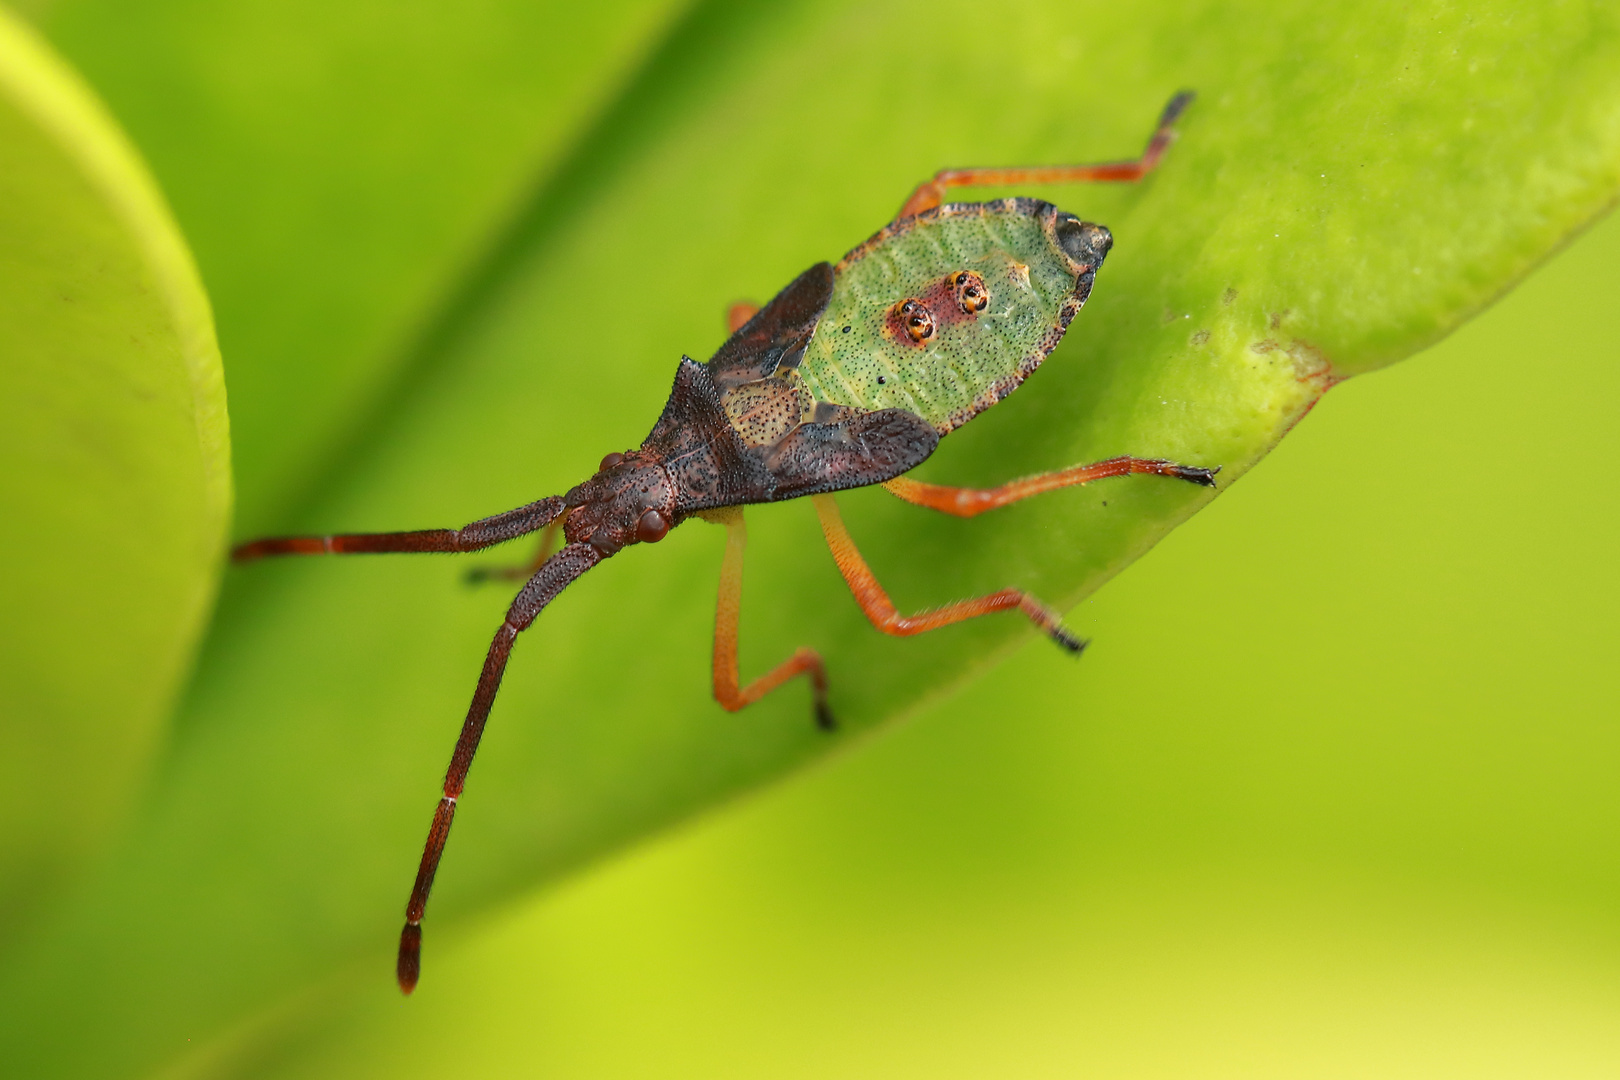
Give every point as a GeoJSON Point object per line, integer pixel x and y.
{"type": "Point", "coordinates": [114, 473]}
{"type": "Point", "coordinates": [1351, 184]}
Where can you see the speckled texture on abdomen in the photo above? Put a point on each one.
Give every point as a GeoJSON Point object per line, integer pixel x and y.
{"type": "Point", "coordinates": [941, 359]}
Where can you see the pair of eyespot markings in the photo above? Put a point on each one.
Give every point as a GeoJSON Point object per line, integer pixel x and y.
{"type": "Point", "coordinates": [918, 319]}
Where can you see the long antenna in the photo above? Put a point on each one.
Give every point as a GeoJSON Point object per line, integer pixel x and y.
{"type": "Point", "coordinates": [555, 575]}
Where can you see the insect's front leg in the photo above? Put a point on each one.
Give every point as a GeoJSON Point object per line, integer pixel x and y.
{"type": "Point", "coordinates": [968, 502]}
{"type": "Point", "coordinates": [728, 613]}
{"type": "Point", "coordinates": [881, 611]}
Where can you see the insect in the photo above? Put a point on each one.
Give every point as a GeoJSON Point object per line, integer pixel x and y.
{"type": "Point", "coordinates": [849, 377]}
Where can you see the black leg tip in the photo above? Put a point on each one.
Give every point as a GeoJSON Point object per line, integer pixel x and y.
{"type": "Point", "coordinates": [1065, 638]}
{"type": "Point", "coordinates": [1201, 477]}
{"type": "Point", "coordinates": [824, 717]}
{"type": "Point", "coordinates": [1177, 106]}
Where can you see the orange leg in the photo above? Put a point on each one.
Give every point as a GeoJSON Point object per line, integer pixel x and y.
{"type": "Point", "coordinates": [931, 193]}
{"type": "Point", "coordinates": [967, 502]}
{"type": "Point", "coordinates": [548, 546]}
{"type": "Point", "coordinates": [727, 614]}
{"type": "Point", "coordinates": [738, 314]}
{"type": "Point", "coordinates": [881, 610]}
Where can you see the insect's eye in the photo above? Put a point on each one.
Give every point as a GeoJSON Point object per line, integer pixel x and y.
{"type": "Point", "coordinates": [917, 319]}
{"type": "Point", "coordinates": [651, 527]}
{"type": "Point", "coordinates": [609, 461]}
{"type": "Point", "coordinates": [971, 295]}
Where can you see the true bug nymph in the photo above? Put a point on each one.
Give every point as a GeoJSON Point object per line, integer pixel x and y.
{"type": "Point", "coordinates": [849, 377]}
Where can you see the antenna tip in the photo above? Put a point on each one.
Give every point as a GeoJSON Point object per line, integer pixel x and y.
{"type": "Point", "coordinates": [409, 967]}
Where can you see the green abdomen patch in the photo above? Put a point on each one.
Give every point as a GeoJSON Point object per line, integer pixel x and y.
{"type": "Point", "coordinates": [946, 313]}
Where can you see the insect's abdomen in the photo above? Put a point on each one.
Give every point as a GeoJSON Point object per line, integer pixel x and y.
{"type": "Point", "coordinates": [944, 314]}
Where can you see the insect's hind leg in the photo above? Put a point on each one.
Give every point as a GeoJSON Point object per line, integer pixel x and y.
{"type": "Point", "coordinates": [883, 614]}
{"type": "Point", "coordinates": [930, 193]}
{"type": "Point", "coordinates": [728, 612]}
{"type": "Point", "coordinates": [968, 502]}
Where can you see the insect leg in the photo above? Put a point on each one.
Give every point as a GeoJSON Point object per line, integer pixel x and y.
{"type": "Point", "coordinates": [548, 546]}
{"type": "Point", "coordinates": [881, 610]}
{"type": "Point", "coordinates": [930, 193]}
{"type": "Point", "coordinates": [727, 614]}
{"type": "Point", "coordinates": [739, 313]}
{"type": "Point", "coordinates": [479, 534]}
{"type": "Point", "coordinates": [555, 576]}
{"type": "Point", "coordinates": [967, 502]}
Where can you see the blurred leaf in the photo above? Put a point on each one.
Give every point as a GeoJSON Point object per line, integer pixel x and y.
{"type": "Point", "coordinates": [339, 168]}
{"type": "Point", "coordinates": [1350, 186]}
{"type": "Point", "coordinates": [114, 473]}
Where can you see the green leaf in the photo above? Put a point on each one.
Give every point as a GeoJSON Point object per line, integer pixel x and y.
{"type": "Point", "coordinates": [1351, 185]}
{"type": "Point", "coordinates": [114, 474]}
{"type": "Point", "coordinates": [342, 171]}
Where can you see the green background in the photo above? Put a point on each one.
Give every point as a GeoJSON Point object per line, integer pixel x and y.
{"type": "Point", "coordinates": [1330, 782]}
